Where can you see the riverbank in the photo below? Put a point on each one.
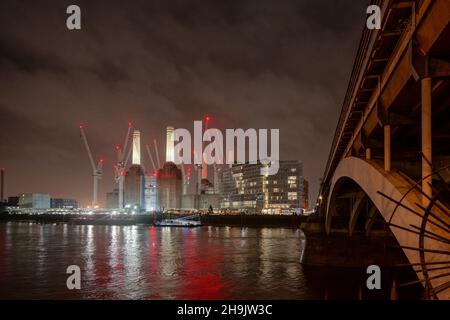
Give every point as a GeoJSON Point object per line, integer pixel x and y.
{"type": "Point", "coordinates": [286, 221]}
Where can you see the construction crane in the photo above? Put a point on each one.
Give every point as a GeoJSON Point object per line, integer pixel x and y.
{"type": "Point", "coordinates": [151, 158]}
{"type": "Point", "coordinates": [157, 153]}
{"type": "Point", "coordinates": [97, 169]}
{"type": "Point", "coordinates": [123, 156]}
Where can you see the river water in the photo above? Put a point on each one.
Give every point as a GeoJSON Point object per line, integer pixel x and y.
{"type": "Point", "coordinates": [145, 262]}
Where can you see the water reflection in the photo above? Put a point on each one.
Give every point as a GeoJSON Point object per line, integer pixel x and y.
{"type": "Point", "coordinates": [142, 262]}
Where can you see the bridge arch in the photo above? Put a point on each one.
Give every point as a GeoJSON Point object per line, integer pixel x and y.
{"type": "Point", "coordinates": [370, 177]}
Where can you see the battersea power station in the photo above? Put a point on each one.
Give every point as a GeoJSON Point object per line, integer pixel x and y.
{"type": "Point", "coordinates": [217, 187]}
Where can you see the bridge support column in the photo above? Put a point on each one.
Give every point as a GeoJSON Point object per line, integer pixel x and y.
{"type": "Point", "coordinates": [358, 206]}
{"type": "Point", "coordinates": [368, 154]}
{"type": "Point", "coordinates": [370, 219]}
{"type": "Point", "coordinates": [387, 148]}
{"type": "Point", "coordinates": [426, 140]}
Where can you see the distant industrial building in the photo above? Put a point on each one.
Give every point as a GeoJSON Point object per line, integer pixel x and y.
{"type": "Point", "coordinates": [205, 201]}
{"type": "Point", "coordinates": [244, 188]}
{"type": "Point", "coordinates": [134, 177]}
{"type": "Point", "coordinates": [218, 177]}
{"type": "Point", "coordinates": [112, 199]}
{"type": "Point", "coordinates": [151, 192]}
{"type": "Point", "coordinates": [189, 187]}
{"type": "Point", "coordinates": [197, 196]}
{"type": "Point", "coordinates": [200, 202]}
{"type": "Point", "coordinates": [34, 201]}
{"type": "Point", "coordinates": [134, 186]}
{"type": "Point", "coordinates": [169, 186]}
{"type": "Point", "coordinates": [170, 178]}
{"type": "Point", "coordinates": [189, 201]}
{"type": "Point", "coordinates": [63, 203]}
{"type": "Point", "coordinates": [189, 179]}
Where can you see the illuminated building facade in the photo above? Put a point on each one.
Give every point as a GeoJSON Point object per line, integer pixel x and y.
{"type": "Point", "coordinates": [63, 203]}
{"type": "Point", "coordinates": [34, 201]}
{"type": "Point", "coordinates": [244, 188]}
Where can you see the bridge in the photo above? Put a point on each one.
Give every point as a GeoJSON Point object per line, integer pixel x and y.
{"type": "Point", "coordinates": [389, 163]}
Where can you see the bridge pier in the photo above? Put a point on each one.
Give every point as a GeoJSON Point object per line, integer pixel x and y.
{"type": "Point", "coordinates": [340, 250]}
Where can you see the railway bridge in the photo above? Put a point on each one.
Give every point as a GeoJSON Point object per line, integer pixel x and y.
{"type": "Point", "coordinates": [389, 163]}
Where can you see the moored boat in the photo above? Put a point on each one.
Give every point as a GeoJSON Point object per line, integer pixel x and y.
{"type": "Point", "coordinates": [177, 223]}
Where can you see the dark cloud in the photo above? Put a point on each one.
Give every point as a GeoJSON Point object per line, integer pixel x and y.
{"type": "Point", "coordinates": [252, 64]}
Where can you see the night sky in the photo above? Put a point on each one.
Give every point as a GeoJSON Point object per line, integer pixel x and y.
{"type": "Point", "coordinates": [249, 64]}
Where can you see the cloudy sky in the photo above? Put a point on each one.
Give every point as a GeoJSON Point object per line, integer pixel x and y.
{"type": "Point", "coordinates": [250, 64]}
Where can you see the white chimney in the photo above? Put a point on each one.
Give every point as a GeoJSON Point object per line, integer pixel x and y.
{"type": "Point", "coordinates": [136, 147]}
{"type": "Point", "coordinates": [170, 153]}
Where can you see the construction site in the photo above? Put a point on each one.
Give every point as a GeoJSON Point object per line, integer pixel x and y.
{"type": "Point", "coordinates": [145, 184]}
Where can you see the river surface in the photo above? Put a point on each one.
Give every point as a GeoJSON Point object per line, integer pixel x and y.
{"type": "Point", "coordinates": [145, 262]}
